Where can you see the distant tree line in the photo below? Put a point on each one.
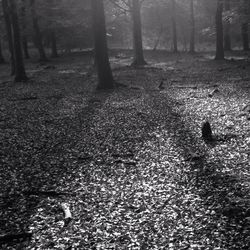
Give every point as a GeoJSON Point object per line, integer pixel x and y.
{"type": "Point", "coordinates": [63, 25]}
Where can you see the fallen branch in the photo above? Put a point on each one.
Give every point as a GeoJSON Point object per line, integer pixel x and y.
{"type": "Point", "coordinates": [67, 214]}
{"type": "Point", "coordinates": [246, 108]}
{"type": "Point", "coordinates": [130, 163]}
{"type": "Point", "coordinates": [185, 86]}
{"type": "Point", "coordinates": [45, 193]}
{"type": "Point", "coordinates": [212, 93]}
{"type": "Point", "coordinates": [123, 155]}
{"type": "Point", "coordinates": [28, 98]}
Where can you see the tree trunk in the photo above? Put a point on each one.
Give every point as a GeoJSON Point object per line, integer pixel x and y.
{"type": "Point", "coordinates": [54, 53]}
{"type": "Point", "coordinates": [227, 28]}
{"type": "Point", "coordinates": [245, 38]}
{"type": "Point", "coordinates": [23, 25]}
{"type": "Point", "coordinates": [192, 28]}
{"type": "Point", "coordinates": [157, 40]}
{"type": "Point", "coordinates": [137, 34]}
{"type": "Point", "coordinates": [219, 31]}
{"type": "Point", "coordinates": [174, 30]}
{"type": "Point", "coordinates": [1, 54]}
{"type": "Point", "coordinates": [37, 32]}
{"type": "Point", "coordinates": [244, 26]}
{"type": "Point", "coordinates": [25, 47]}
{"type": "Point", "coordinates": [105, 77]}
{"type": "Point", "coordinates": [9, 34]}
{"type": "Point", "coordinates": [20, 75]}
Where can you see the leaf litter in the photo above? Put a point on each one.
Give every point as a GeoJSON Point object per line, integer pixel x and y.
{"type": "Point", "coordinates": [129, 166]}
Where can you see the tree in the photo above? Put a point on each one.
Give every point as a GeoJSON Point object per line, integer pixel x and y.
{"type": "Point", "coordinates": [105, 77]}
{"type": "Point", "coordinates": [37, 32]}
{"type": "Point", "coordinates": [134, 8]}
{"type": "Point", "coordinates": [54, 17]}
{"type": "Point", "coordinates": [227, 35]}
{"type": "Point", "coordinates": [54, 53]}
{"type": "Point", "coordinates": [244, 26]}
{"type": "Point", "coordinates": [20, 74]}
{"type": "Point", "coordinates": [1, 54]}
{"type": "Point", "coordinates": [7, 19]}
{"type": "Point", "coordinates": [137, 34]}
{"type": "Point", "coordinates": [219, 31]}
{"type": "Point", "coordinates": [174, 31]}
{"type": "Point", "coordinates": [245, 38]}
{"type": "Point", "coordinates": [23, 26]}
{"type": "Point", "coordinates": [192, 28]}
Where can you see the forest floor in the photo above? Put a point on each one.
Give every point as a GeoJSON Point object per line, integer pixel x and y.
{"type": "Point", "coordinates": [129, 164]}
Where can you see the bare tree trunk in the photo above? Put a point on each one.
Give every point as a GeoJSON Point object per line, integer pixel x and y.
{"type": "Point", "coordinates": [137, 34]}
{"type": "Point", "coordinates": [227, 28]}
{"type": "Point", "coordinates": [25, 48]}
{"type": "Point", "coordinates": [192, 28]}
{"type": "Point", "coordinates": [1, 54]}
{"type": "Point", "coordinates": [37, 32]}
{"type": "Point", "coordinates": [158, 39]}
{"type": "Point", "coordinates": [20, 75]}
{"type": "Point", "coordinates": [174, 26]}
{"type": "Point", "coordinates": [54, 53]}
{"type": "Point", "coordinates": [245, 38]}
{"type": "Point", "coordinates": [160, 32]}
{"type": "Point", "coordinates": [219, 32]}
{"type": "Point", "coordinates": [105, 77]}
{"type": "Point", "coordinates": [23, 25]}
{"type": "Point", "coordinates": [9, 34]}
{"type": "Point", "coordinates": [244, 26]}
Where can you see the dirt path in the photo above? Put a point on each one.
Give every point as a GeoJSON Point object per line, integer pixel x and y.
{"type": "Point", "coordinates": [130, 164]}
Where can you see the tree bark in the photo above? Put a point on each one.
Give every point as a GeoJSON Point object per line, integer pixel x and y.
{"type": "Point", "coordinates": [54, 53]}
{"type": "Point", "coordinates": [219, 31]}
{"type": "Point", "coordinates": [244, 26]}
{"type": "Point", "coordinates": [23, 25]}
{"type": "Point", "coordinates": [9, 34]}
{"type": "Point", "coordinates": [20, 75]}
{"type": "Point", "coordinates": [174, 30]}
{"type": "Point", "coordinates": [37, 32]}
{"type": "Point", "coordinates": [137, 34]}
{"type": "Point", "coordinates": [25, 47]}
{"type": "Point", "coordinates": [105, 77]}
{"type": "Point", "coordinates": [227, 28]}
{"type": "Point", "coordinates": [245, 38]}
{"type": "Point", "coordinates": [192, 28]}
{"type": "Point", "coordinates": [157, 40]}
{"type": "Point", "coordinates": [1, 54]}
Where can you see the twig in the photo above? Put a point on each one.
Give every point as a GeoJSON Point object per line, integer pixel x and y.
{"type": "Point", "coordinates": [67, 214]}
